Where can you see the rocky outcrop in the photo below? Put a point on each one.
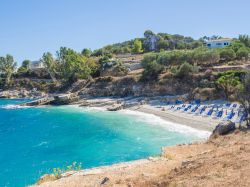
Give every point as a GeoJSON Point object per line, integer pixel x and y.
{"type": "Point", "coordinates": [64, 99]}
{"type": "Point", "coordinates": [223, 128]}
{"type": "Point", "coordinates": [22, 93]}
{"type": "Point", "coordinates": [115, 107]}
{"type": "Point", "coordinates": [38, 102]}
{"type": "Point", "coordinates": [204, 94]}
{"type": "Point", "coordinates": [130, 86]}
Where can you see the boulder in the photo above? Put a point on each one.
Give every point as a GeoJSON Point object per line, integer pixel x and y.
{"type": "Point", "coordinates": [223, 128]}
{"type": "Point", "coordinates": [115, 107]}
{"type": "Point", "coordinates": [64, 99]}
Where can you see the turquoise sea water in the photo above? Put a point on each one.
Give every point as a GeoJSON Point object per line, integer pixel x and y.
{"type": "Point", "coordinates": [33, 141]}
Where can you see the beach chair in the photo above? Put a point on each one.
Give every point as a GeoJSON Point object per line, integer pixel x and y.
{"type": "Point", "coordinates": [210, 112]}
{"type": "Point", "coordinates": [195, 109]}
{"type": "Point", "coordinates": [219, 114]}
{"type": "Point", "coordinates": [178, 108]}
{"type": "Point", "coordinates": [187, 108]}
{"type": "Point", "coordinates": [171, 107]}
{"type": "Point", "coordinates": [234, 105]}
{"type": "Point", "coordinates": [202, 110]}
{"type": "Point", "coordinates": [229, 116]}
{"type": "Point", "coordinates": [241, 118]}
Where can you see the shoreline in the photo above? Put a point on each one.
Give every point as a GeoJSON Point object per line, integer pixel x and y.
{"type": "Point", "coordinates": [180, 165]}
{"type": "Point", "coordinates": [156, 106]}
{"type": "Point", "coordinates": [193, 121]}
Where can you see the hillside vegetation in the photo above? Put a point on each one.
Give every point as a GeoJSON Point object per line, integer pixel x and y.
{"type": "Point", "coordinates": [157, 64]}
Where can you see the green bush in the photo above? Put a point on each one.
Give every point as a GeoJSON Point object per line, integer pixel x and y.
{"type": "Point", "coordinates": [243, 53]}
{"type": "Point", "coordinates": [176, 57]}
{"type": "Point", "coordinates": [57, 172]}
{"type": "Point", "coordinates": [185, 70]}
{"type": "Point", "coordinates": [227, 54]}
{"type": "Point", "coordinates": [151, 69]}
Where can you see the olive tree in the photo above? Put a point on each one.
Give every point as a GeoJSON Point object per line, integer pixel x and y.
{"type": "Point", "coordinates": [7, 67]}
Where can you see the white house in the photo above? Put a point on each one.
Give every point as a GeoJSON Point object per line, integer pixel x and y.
{"type": "Point", "coordinates": [218, 43]}
{"type": "Point", "coordinates": [36, 65]}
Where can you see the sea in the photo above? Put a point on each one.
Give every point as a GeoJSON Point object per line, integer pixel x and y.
{"type": "Point", "coordinates": [34, 140]}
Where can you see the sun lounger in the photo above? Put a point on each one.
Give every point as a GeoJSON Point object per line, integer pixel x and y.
{"type": "Point", "coordinates": [210, 112]}
{"type": "Point", "coordinates": [241, 118]}
{"type": "Point", "coordinates": [229, 116]}
{"type": "Point", "coordinates": [201, 110]}
{"type": "Point", "coordinates": [195, 109]}
{"type": "Point", "coordinates": [234, 106]}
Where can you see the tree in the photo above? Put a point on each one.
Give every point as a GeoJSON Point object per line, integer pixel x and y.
{"type": "Point", "coordinates": [50, 65]}
{"type": "Point", "coordinates": [26, 64]}
{"type": "Point", "coordinates": [185, 70]}
{"type": "Point", "coordinates": [137, 48]}
{"type": "Point", "coordinates": [148, 33]}
{"type": "Point", "coordinates": [24, 68]}
{"type": "Point", "coordinates": [72, 65]}
{"type": "Point", "coordinates": [243, 53]}
{"type": "Point", "coordinates": [236, 46]}
{"type": "Point", "coordinates": [163, 44]}
{"type": "Point", "coordinates": [227, 54]}
{"type": "Point", "coordinates": [86, 52]}
{"type": "Point", "coordinates": [7, 67]}
{"type": "Point", "coordinates": [243, 96]}
{"type": "Point", "coordinates": [201, 55]}
{"type": "Point", "coordinates": [151, 68]}
{"type": "Point", "coordinates": [245, 39]}
{"type": "Point", "coordinates": [229, 82]}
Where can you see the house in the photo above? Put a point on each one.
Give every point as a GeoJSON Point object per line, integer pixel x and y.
{"type": "Point", "coordinates": [218, 43]}
{"type": "Point", "coordinates": [36, 65]}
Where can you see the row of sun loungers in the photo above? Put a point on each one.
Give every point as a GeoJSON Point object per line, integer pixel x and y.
{"type": "Point", "coordinates": [226, 112]}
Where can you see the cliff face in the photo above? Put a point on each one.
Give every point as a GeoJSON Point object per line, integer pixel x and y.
{"type": "Point", "coordinates": [130, 86]}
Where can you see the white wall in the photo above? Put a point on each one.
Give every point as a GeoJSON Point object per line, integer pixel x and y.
{"type": "Point", "coordinates": [218, 44]}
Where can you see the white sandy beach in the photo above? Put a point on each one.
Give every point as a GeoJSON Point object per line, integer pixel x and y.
{"type": "Point", "coordinates": [177, 117]}
{"type": "Point", "coordinates": [194, 121]}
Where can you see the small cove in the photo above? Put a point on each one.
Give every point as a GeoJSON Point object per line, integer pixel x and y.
{"type": "Point", "coordinates": [33, 141]}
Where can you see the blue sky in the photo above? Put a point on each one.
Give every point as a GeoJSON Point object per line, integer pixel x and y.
{"type": "Point", "coordinates": [31, 27]}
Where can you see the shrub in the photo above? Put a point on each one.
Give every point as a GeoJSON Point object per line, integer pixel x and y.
{"type": "Point", "coordinates": [243, 53]}
{"type": "Point", "coordinates": [151, 70]}
{"type": "Point", "coordinates": [57, 172]}
{"type": "Point", "coordinates": [185, 70]}
{"type": "Point", "coordinates": [137, 48]}
{"type": "Point", "coordinates": [230, 81]}
{"type": "Point", "coordinates": [227, 54]}
{"type": "Point", "coordinates": [236, 46]}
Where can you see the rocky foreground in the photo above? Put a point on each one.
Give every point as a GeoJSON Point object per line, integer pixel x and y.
{"type": "Point", "coordinates": [220, 161]}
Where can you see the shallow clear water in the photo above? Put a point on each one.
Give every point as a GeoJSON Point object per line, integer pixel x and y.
{"type": "Point", "coordinates": [33, 141]}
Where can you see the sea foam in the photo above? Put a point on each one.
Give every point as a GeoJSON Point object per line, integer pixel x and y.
{"type": "Point", "coordinates": [13, 107]}
{"type": "Point", "coordinates": [171, 126]}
